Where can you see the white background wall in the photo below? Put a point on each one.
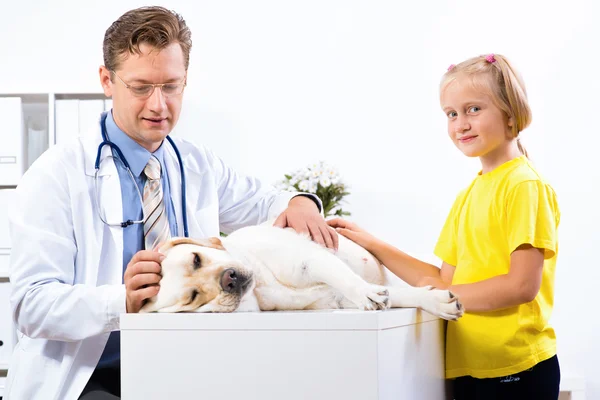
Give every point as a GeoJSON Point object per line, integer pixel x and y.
{"type": "Point", "coordinates": [274, 85]}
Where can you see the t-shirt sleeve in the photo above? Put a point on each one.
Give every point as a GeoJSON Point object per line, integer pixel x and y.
{"type": "Point", "coordinates": [533, 217]}
{"type": "Point", "coordinates": [446, 249]}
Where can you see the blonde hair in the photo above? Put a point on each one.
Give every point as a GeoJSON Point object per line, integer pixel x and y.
{"type": "Point", "coordinates": [503, 83]}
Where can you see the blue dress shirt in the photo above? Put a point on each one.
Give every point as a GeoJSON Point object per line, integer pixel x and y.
{"type": "Point", "coordinates": [133, 235]}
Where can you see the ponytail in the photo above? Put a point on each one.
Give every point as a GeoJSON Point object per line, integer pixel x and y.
{"type": "Point", "coordinates": [521, 147]}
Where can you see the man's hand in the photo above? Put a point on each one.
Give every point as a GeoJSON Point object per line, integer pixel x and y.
{"type": "Point", "coordinates": [141, 278]}
{"type": "Point", "coordinates": [353, 232]}
{"type": "Point", "coordinates": [303, 215]}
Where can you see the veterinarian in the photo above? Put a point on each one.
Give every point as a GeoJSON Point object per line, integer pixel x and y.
{"type": "Point", "coordinates": [89, 213]}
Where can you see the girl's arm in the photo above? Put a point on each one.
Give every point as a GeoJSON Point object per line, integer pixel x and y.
{"type": "Point", "coordinates": [409, 269]}
{"type": "Point", "coordinates": [443, 281]}
{"type": "Point", "coordinates": [520, 285]}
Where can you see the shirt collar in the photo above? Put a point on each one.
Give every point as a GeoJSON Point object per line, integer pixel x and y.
{"type": "Point", "coordinates": [136, 155]}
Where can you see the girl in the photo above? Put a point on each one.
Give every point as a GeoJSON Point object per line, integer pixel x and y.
{"type": "Point", "coordinates": [498, 245]}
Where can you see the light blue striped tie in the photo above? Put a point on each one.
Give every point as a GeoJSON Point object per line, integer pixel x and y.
{"type": "Point", "coordinates": [156, 227]}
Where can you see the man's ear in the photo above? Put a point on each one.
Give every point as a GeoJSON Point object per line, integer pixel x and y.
{"type": "Point", "coordinates": [105, 80]}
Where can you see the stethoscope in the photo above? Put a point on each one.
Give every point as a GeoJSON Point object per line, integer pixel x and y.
{"type": "Point", "coordinates": [107, 142]}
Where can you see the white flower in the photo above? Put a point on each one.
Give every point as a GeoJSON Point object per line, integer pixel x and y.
{"type": "Point", "coordinates": [304, 173]}
{"type": "Point", "coordinates": [312, 187]}
{"type": "Point", "coordinates": [303, 185]}
{"type": "Point", "coordinates": [325, 181]}
{"type": "Point", "coordinates": [331, 173]}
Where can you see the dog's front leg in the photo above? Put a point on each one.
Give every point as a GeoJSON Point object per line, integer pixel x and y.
{"type": "Point", "coordinates": [249, 303]}
{"type": "Point", "coordinates": [441, 303]}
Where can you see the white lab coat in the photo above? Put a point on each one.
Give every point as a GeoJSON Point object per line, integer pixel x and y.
{"type": "Point", "coordinates": [67, 267]}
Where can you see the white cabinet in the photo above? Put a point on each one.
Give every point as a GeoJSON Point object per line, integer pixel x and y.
{"type": "Point", "coordinates": [32, 122]}
{"type": "Point", "coordinates": [12, 161]}
{"type": "Point", "coordinates": [77, 114]}
{"type": "Point", "coordinates": [317, 355]}
{"type": "Point", "coordinates": [27, 132]}
{"type": "Point", "coordinates": [7, 333]}
{"type": "Point", "coordinates": [6, 196]}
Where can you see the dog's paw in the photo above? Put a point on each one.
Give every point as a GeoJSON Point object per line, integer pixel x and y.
{"type": "Point", "coordinates": [442, 303]}
{"type": "Point", "coordinates": [372, 297]}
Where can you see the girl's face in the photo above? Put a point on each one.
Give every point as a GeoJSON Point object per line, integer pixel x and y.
{"type": "Point", "coordinates": [475, 124]}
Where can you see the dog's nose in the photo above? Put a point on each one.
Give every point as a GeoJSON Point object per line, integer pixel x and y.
{"type": "Point", "coordinates": [231, 281]}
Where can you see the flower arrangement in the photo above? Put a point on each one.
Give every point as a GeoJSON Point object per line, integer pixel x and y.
{"type": "Point", "coordinates": [322, 180]}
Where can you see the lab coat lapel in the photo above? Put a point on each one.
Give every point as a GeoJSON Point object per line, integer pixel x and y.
{"type": "Point", "coordinates": [194, 191]}
{"type": "Point", "coordinates": [108, 200]}
{"type": "Point", "coordinates": [174, 184]}
{"type": "Point", "coordinates": [193, 180]}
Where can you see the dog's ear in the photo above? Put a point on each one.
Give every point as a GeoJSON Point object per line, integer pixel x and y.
{"type": "Point", "coordinates": [216, 243]}
{"type": "Point", "coordinates": [212, 242]}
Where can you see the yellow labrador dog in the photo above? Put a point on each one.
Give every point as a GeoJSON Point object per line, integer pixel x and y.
{"type": "Point", "coordinates": [268, 268]}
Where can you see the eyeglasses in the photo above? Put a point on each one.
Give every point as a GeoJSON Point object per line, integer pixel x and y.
{"type": "Point", "coordinates": [145, 90]}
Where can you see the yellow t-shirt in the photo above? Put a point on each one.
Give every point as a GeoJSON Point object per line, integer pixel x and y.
{"type": "Point", "coordinates": [501, 210]}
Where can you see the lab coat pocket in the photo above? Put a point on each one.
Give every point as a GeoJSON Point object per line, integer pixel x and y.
{"type": "Point", "coordinates": [51, 349]}
{"type": "Point", "coordinates": [31, 370]}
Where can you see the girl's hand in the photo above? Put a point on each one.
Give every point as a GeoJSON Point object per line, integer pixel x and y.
{"type": "Point", "coordinates": [353, 232]}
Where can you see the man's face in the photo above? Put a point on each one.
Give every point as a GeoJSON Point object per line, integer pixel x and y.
{"type": "Point", "coordinates": [146, 118]}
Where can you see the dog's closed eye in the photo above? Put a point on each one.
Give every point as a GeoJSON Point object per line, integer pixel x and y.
{"type": "Point", "coordinates": [193, 295]}
{"type": "Point", "coordinates": [197, 263]}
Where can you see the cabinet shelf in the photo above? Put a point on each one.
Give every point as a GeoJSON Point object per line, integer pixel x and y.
{"type": "Point", "coordinates": [41, 120]}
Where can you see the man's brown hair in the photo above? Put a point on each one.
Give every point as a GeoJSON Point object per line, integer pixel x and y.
{"type": "Point", "coordinates": [155, 26]}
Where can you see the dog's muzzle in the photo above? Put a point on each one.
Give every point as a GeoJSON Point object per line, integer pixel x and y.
{"type": "Point", "coordinates": [234, 282]}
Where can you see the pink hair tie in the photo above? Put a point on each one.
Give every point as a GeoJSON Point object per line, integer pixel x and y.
{"type": "Point", "coordinates": [451, 66]}
{"type": "Point", "coordinates": [490, 58]}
